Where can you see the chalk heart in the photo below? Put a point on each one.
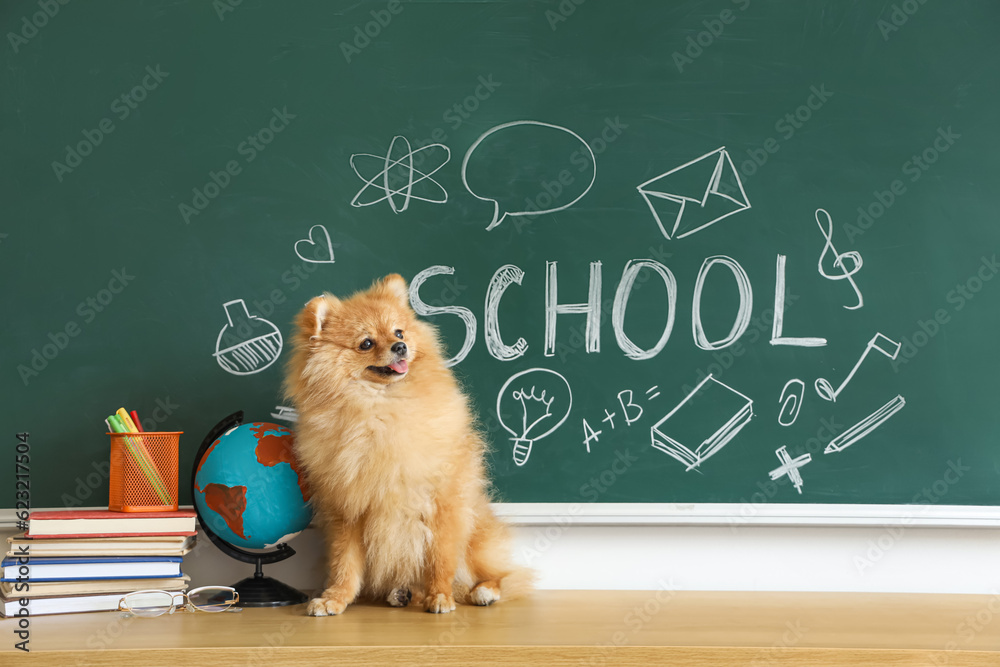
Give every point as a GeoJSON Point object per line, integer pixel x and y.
{"type": "Point", "coordinates": [321, 239]}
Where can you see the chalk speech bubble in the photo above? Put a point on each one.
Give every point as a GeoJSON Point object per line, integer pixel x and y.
{"type": "Point", "coordinates": [498, 215]}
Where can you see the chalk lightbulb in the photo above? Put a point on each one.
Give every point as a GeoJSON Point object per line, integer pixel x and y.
{"type": "Point", "coordinates": [541, 399]}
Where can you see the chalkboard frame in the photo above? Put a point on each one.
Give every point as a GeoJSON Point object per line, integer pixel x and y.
{"type": "Point", "coordinates": [581, 80]}
{"type": "Point", "coordinates": [729, 514]}
{"type": "Point", "coordinates": [845, 515]}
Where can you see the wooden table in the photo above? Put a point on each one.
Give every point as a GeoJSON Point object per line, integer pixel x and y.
{"type": "Point", "coordinates": [551, 628]}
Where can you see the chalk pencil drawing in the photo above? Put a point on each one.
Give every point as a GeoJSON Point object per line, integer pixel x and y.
{"type": "Point", "coordinates": [498, 215]}
{"type": "Point", "coordinates": [652, 389]}
{"type": "Point", "coordinates": [381, 173]}
{"type": "Point", "coordinates": [790, 467]}
{"type": "Point", "coordinates": [883, 344]}
{"type": "Point", "coordinates": [689, 198]}
{"type": "Point", "coordinates": [543, 408]}
{"type": "Point", "coordinates": [322, 242]}
{"type": "Point", "coordinates": [778, 323]}
{"type": "Point", "coordinates": [686, 434]}
{"type": "Point", "coordinates": [285, 413]}
{"type": "Point", "coordinates": [840, 260]}
{"type": "Point", "coordinates": [247, 344]}
{"type": "Point", "coordinates": [865, 426]}
{"type": "Point", "coordinates": [742, 320]}
{"type": "Point", "coordinates": [791, 403]}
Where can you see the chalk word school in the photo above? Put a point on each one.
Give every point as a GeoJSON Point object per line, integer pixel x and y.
{"type": "Point", "coordinates": [509, 274]}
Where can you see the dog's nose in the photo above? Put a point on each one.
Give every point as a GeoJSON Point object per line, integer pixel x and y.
{"type": "Point", "coordinates": [399, 348]}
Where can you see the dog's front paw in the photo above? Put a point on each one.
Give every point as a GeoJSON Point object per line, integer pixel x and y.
{"type": "Point", "coordinates": [328, 605]}
{"type": "Point", "coordinates": [439, 604]}
{"type": "Point", "coordinates": [399, 597]}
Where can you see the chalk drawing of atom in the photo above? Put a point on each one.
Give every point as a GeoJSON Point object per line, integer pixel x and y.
{"type": "Point", "coordinates": [394, 178]}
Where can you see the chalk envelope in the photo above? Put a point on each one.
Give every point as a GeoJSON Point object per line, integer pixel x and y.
{"type": "Point", "coordinates": [695, 195]}
{"type": "Point", "coordinates": [685, 434]}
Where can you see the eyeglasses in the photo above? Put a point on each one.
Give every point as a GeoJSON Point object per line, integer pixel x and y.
{"type": "Point", "coordinates": [156, 603]}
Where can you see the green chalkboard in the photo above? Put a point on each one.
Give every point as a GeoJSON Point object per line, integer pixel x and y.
{"type": "Point", "coordinates": [576, 180]}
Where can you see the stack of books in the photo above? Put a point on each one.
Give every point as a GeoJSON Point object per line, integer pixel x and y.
{"type": "Point", "coordinates": [71, 561]}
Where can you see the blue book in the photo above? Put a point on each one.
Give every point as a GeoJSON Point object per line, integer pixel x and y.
{"type": "Point", "coordinates": [72, 569]}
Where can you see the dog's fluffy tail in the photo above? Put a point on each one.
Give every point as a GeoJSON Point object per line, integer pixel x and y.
{"type": "Point", "coordinates": [518, 584]}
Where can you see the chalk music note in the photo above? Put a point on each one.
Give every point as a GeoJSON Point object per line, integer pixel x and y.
{"type": "Point", "coordinates": [839, 259]}
{"type": "Point", "coordinates": [883, 344]}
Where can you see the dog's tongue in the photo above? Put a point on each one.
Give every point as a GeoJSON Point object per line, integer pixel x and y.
{"type": "Point", "coordinates": [400, 366]}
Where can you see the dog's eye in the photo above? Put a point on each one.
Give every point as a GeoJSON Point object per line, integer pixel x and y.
{"type": "Point", "coordinates": [366, 344]}
{"type": "Point", "coordinates": [399, 334]}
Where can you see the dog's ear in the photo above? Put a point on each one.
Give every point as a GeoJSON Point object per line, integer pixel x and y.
{"type": "Point", "coordinates": [394, 285]}
{"type": "Point", "coordinates": [315, 316]}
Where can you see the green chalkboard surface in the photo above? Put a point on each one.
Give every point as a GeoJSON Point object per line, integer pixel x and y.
{"type": "Point", "coordinates": [684, 248]}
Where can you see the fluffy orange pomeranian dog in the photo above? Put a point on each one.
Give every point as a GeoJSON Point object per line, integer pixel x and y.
{"type": "Point", "coordinates": [395, 464]}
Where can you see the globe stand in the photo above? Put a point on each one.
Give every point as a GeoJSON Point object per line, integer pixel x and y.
{"type": "Point", "coordinates": [258, 590]}
{"type": "Point", "coordinates": [261, 591]}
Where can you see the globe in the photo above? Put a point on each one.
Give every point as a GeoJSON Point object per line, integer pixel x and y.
{"type": "Point", "coordinates": [248, 489]}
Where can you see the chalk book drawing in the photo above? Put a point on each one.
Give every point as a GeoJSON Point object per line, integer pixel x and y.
{"type": "Point", "coordinates": [540, 401]}
{"type": "Point", "coordinates": [285, 413]}
{"type": "Point", "coordinates": [247, 344]}
{"type": "Point", "coordinates": [311, 251]}
{"type": "Point", "coordinates": [392, 177]}
{"type": "Point", "coordinates": [685, 434]}
{"type": "Point", "coordinates": [691, 197]}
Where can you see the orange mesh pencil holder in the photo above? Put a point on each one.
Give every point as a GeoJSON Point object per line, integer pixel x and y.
{"type": "Point", "coordinates": [143, 476]}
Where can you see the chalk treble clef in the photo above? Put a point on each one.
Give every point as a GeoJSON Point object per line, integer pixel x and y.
{"type": "Point", "coordinates": [840, 260]}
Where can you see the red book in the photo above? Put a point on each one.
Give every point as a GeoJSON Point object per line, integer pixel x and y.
{"type": "Point", "coordinates": [103, 523]}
